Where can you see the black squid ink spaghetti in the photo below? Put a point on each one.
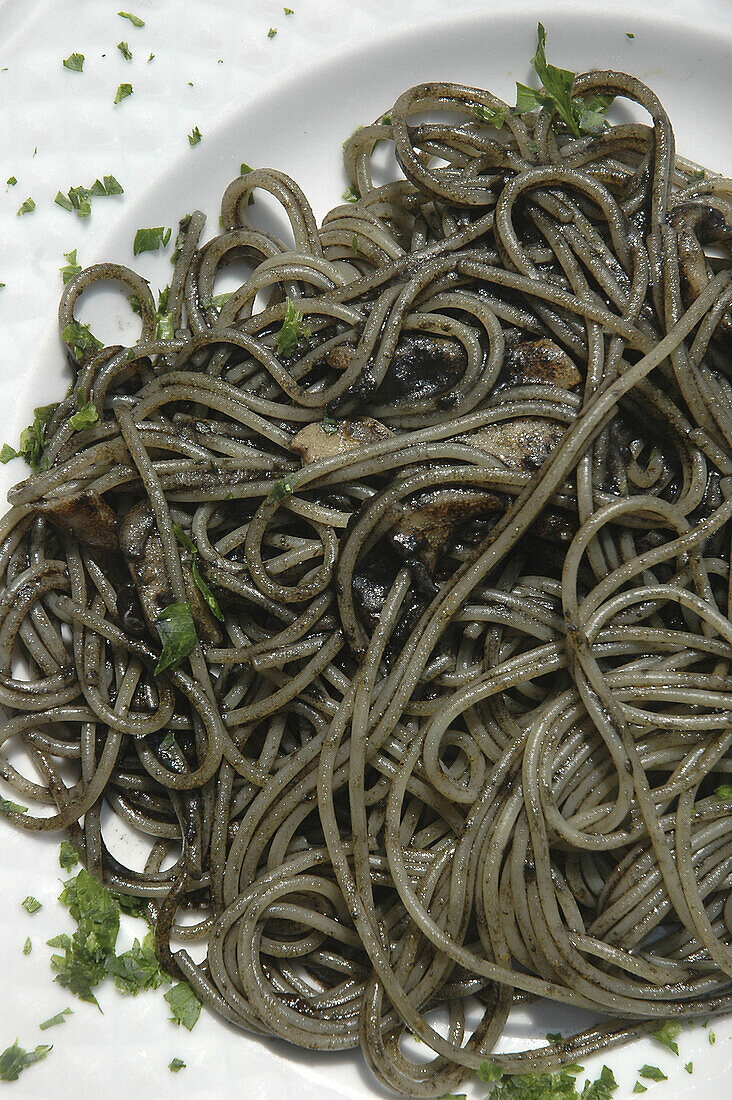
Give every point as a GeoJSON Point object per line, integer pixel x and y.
{"type": "Point", "coordinates": [390, 593]}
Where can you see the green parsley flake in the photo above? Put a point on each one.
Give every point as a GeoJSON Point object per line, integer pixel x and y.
{"type": "Point", "coordinates": [68, 857]}
{"type": "Point", "coordinates": [288, 11]}
{"type": "Point", "coordinates": [32, 442]}
{"type": "Point", "coordinates": [652, 1073]}
{"type": "Point", "coordinates": [27, 946]}
{"type": "Point", "coordinates": [638, 1087]}
{"type": "Point", "coordinates": [554, 1037]}
{"type": "Point", "coordinates": [134, 19]}
{"type": "Point", "coordinates": [31, 904]}
{"type": "Point", "coordinates": [350, 195]}
{"type": "Point", "coordinates": [150, 240]}
{"type": "Point", "coordinates": [80, 339]}
{"type": "Point", "coordinates": [489, 1073]}
{"type": "Point", "coordinates": [71, 268]}
{"type": "Point", "coordinates": [271, 32]}
{"type": "Point", "coordinates": [184, 1005]}
{"type": "Point", "coordinates": [78, 198]}
{"type": "Point", "coordinates": [11, 181]}
{"type": "Point", "coordinates": [494, 116]}
{"type": "Point", "coordinates": [7, 807]}
{"type": "Point", "coordinates": [198, 580]}
{"type": "Point", "coordinates": [122, 92]}
{"type": "Point", "coordinates": [195, 136]}
{"type": "Point", "coordinates": [75, 62]}
{"type": "Point", "coordinates": [151, 58]}
{"type": "Point", "coordinates": [137, 968]}
{"type": "Point", "coordinates": [280, 489]}
{"type": "Point", "coordinates": [177, 633]}
{"type": "Point", "coordinates": [712, 1038]}
{"type": "Point", "coordinates": [582, 116]}
{"type": "Point", "coordinates": [689, 1067]}
{"type": "Point", "coordinates": [125, 50]}
{"type": "Point", "coordinates": [176, 1065]}
{"type": "Point", "coordinates": [329, 424]}
{"type": "Point", "coordinates": [59, 1018]}
{"type": "Point", "coordinates": [724, 793]}
{"type": "Point", "coordinates": [292, 330]}
{"type": "Point", "coordinates": [629, 34]}
{"type": "Point", "coordinates": [14, 1060]}
{"type": "Point", "coordinates": [668, 1034]}
{"type": "Point", "coordinates": [27, 206]}
{"type": "Point", "coordinates": [86, 417]}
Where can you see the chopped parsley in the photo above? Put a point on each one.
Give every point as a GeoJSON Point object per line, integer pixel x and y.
{"type": "Point", "coordinates": [554, 1037]}
{"type": "Point", "coordinates": [712, 1038]}
{"type": "Point", "coordinates": [176, 1065]}
{"type": "Point", "coordinates": [292, 330]}
{"type": "Point", "coordinates": [32, 442]}
{"type": "Point", "coordinates": [184, 1005]}
{"type": "Point", "coordinates": [689, 1067]}
{"type": "Point", "coordinates": [80, 339]}
{"type": "Point", "coordinates": [547, 1086]}
{"type": "Point", "coordinates": [217, 301]}
{"type": "Point", "coordinates": [629, 34]}
{"type": "Point", "coordinates": [489, 1073]}
{"type": "Point", "coordinates": [11, 181]}
{"type": "Point", "coordinates": [329, 424]}
{"type": "Point", "coordinates": [122, 92]}
{"type": "Point", "coordinates": [78, 198]}
{"type": "Point", "coordinates": [151, 58]}
{"type": "Point", "coordinates": [27, 946]}
{"type": "Point", "coordinates": [84, 962]}
{"type": "Point", "coordinates": [652, 1073]}
{"type": "Point", "coordinates": [68, 857]}
{"type": "Point", "coordinates": [137, 968]}
{"type": "Point", "coordinates": [350, 195]}
{"type": "Point", "coordinates": [668, 1034]}
{"type": "Point", "coordinates": [125, 50]}
{"type": "Point", "coordinates": [280, 489]}
{"type": "Point", "coordinates": [59, 1018]}
{"type": "Point", "coordinates": [75, 62]}
{"type": "Point", "coordinates": [7, 807]}
{"type": "Point", "coordinates": [198, 580]}
{"type": "Point", "coordinates": [27, 206]}
{"type": "Point", "coordinates": [582, 116]}
{"type": "Point", "coordinates": [71, 267]}
{"type": "Point", "coordinates": [31, 904]}
{"type": "Point", "coordinates": [271, 32]}
{"type": "Point", "coordinates": [150, 240]}
{"type": "Point", "coordinates": [638, 1087]}
{"type": "Point", "coordinates": [724, 792]}
{"type": "Point", "coordinates": [494, 116]}
{"type": "Point", "coordinates": [288, 11]}
{"type": "Point", "coordinates": [14, 1060]}
{"type": "Point", "coordinates": [134, 19]}
{"type": "Point", "coordinates": [86, 417]}
{"type": "Point", "coordinates": [177, 633]}
{"type": "Point", "coordinates": [195, 136]}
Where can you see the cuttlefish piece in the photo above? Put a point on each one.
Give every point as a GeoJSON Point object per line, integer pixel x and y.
{"type": "Point", "coordinates": [315, 442]}
{"type": "Point", "coordinates": [541, 361]}
{"type": "Point", "coordinates": [523, 443]}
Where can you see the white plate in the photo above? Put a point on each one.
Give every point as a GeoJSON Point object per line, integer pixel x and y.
{"type": "Point", "coordinates": [298, 126]}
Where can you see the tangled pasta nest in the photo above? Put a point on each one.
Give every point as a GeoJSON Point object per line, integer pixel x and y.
{"type": "Point", "coordinates": [396, 610]}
